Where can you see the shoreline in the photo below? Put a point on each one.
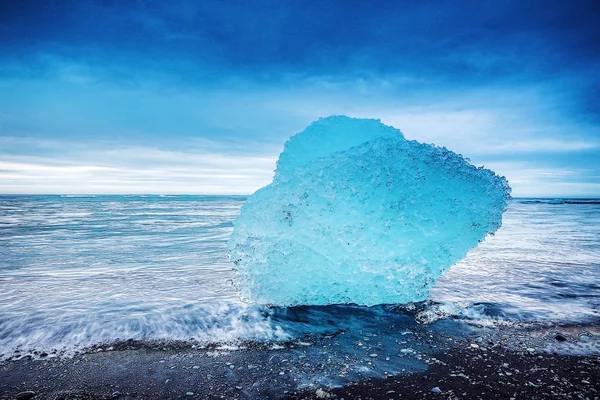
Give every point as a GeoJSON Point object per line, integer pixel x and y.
{"type": "Point", "coordinates": [443, 360]}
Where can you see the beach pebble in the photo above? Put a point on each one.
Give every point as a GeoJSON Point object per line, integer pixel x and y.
{"type": "Point", "coordinates": [560, 338]}
{"type": "Point", "coordinates": [195, 367]}
{"type": "Point", "coordinates": [115, 395]}
{"type": "Point", "coordinates": [436, 390]}
{"type": "Point", "coordinates": [189, 394]}
{"type": "Point", "coordinates": [321, 394]}
{"type": "Point", "coordinates": [25, 395]}
{"type": "Point", "coordinates": [373, 355]}
{"type": "Point", "coordinates": [474, 346]}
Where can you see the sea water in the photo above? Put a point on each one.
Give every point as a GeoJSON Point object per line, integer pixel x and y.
{"type": "Point", "coordinates": [82, 270]}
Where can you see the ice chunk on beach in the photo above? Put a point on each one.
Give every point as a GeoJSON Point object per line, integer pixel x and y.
{"type": "Point", "coordinates": [358, 214]}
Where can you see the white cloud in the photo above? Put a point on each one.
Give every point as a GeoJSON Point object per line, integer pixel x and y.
{"type": "Point", "coordinates": [220, 139]}
{"type": "Point", "coordinates": [527, 180]}
{"type": "Point", "coordinates": [139, 170]}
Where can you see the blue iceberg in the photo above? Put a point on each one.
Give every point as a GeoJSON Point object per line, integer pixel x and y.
{"type": "Point", "coordinates": [358, 214]}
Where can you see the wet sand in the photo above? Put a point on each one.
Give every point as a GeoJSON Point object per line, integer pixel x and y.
{"type": "Point", "coordinates": [459, 364]}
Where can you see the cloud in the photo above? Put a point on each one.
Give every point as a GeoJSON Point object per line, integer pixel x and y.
{"type": "Point", "coordinates": [226, 139]}
{"type": "Point", "coordinates": [530, 180]}
{"type": "Point", "coordinates": [134, 171]}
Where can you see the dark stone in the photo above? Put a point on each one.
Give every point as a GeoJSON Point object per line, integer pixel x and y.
{"type": "Point", "coordinates": [560, 338]}
{"type": "Point", "coordinates": [26, 395]}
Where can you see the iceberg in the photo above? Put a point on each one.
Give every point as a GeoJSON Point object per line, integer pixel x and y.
{"type": "Point", "coordinates": [358, 214]}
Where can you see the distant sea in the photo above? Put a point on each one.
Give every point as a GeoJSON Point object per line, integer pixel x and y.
{"type": "Point", "coordinates": [77, 271]}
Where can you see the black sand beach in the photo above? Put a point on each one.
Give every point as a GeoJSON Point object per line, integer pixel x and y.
{"type": "Point", "coordinates": [490, 363]}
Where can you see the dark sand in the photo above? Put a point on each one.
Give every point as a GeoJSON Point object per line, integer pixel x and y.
{"type": "Point", "coordinates": [498, 374]}
{"type": "Point", "coordinates": [480, 364]}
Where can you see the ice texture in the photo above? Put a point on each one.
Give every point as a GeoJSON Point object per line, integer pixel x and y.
{"type": "Point", "coordinates": [358, 214]}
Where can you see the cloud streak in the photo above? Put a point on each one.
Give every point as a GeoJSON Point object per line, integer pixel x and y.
{"type": "Point", "coordinates": [136, 171]}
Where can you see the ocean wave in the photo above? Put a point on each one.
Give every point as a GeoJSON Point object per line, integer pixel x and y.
{"type": "Point", "coordinates": [211, 323]}
{"type": "Point", "coordinates": [556, 201]}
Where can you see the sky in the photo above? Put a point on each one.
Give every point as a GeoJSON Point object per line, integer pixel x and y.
{"type": "Point", "coordinates": [198, 97]}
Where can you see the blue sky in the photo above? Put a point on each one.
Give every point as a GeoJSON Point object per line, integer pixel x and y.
{"type": "Point", "coordinates": [101, 96]}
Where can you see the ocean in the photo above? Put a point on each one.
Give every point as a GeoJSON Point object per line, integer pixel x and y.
{"type": "Point", "coordinates": [80, 271]}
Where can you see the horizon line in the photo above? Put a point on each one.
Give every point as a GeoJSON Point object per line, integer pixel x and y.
{"type": "Point", "coordinates": [242, 195]}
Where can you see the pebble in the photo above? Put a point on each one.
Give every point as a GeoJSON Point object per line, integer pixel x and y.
{"type": "Point", "coordinates": [115, 395]}
{"type": "Point", "coordinates": [25, 395]}
{"type": "Point", "coordinates": [474, 346]}
{"type": "Point", "coordinates": [373, 355]}
{"type": "Point", "coordinates": [560, 338]}
{"type": "Point", "coordinates": [189, 394]}
{"type": "Point", "coordinates": [436, 390]}
{"type": "Point", "coordinates": [196, 367]}
{"type": "Point", "coordinates": [321, 394]}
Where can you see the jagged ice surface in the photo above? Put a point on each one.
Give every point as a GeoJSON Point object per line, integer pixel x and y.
{"type": "Point", "coordinates": [358, 214]}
